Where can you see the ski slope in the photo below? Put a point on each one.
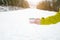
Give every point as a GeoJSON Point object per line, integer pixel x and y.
{"type": "Point", "coordinates": [33, 3]}
{"type": "Point", "coordinates": [14, 25]}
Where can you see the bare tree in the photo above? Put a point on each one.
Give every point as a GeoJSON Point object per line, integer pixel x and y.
{"type": "Point", "coordinates": [18, 3]}
{"type": "Point", "coordinates": [57, 4]}
{"type": "Point", "coordinates": [52, 5]}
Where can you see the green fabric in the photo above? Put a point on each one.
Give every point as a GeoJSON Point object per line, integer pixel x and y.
{"type": "Point", "coordinates": [51, 19]}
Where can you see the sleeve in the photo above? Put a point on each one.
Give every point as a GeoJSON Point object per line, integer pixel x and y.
{"type": "Point", "coordinates": [50, 20]}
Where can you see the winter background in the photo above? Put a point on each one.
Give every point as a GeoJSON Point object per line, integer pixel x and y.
{"type": "Point", "coordinates": [14, 25]}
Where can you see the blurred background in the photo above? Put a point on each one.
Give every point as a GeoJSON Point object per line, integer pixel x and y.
{"type": "Point", "coordinates": [51, 5]}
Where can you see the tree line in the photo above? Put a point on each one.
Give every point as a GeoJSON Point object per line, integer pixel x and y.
{"type": "Point", "coordinates": [18, 3]}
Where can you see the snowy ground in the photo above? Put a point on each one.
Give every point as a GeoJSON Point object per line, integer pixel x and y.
{"type": "Point", "coordinates": [8, 8]}
{"type": "Point", "coordinates": [14, 25]}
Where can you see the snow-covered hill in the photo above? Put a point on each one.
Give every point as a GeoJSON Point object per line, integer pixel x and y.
{"type": "Point", "coordinates": [14, 25]}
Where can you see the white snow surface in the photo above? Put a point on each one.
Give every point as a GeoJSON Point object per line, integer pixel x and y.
{"type": "Point", "coordinates": [9, 8]}
{"type": "Point", "coordinates": [14, 25]}
{"type": "Point", "coordinates": [34, 3]}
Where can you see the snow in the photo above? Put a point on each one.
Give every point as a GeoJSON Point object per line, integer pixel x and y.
{"type": "Point", "coordinates": [33, 3]}
{"type": "Point", "coordinates": [14, 25]}
{"type": "Point", "coordinates": [8, 8]}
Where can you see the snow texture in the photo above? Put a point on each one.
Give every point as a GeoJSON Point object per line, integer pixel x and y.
{"type": "Point", "coordinates": [14, 25]}
{"type": "Point", "coordinates": [8, 8]}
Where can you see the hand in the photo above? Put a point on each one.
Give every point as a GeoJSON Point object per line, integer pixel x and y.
{"type": "Point", "coordinates": [35, 20]}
